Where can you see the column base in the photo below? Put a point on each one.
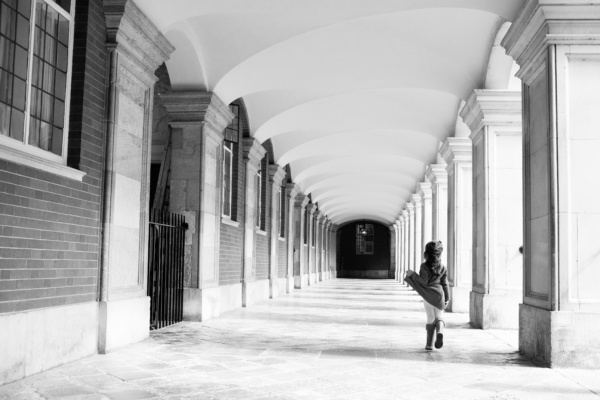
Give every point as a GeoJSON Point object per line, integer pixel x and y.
{"type": "Point", "coordinates": [312, 279]}
{"type": "Point", "coordinates": [273, 288]}
{"type": "Point", "coordinates": [460, 299]}
{"type": "Point", "coordinates": [300, 282]}
{"type": "Point", "coordinates": [289, 285]}
{"type": "Point", "coordinates": [255, 291]}
{"type": "Point", "coordinates": [495, 311]}
{"type": "Point", "coordinates": [123, 322]}
{"type": "Point", "coordinates": [207, 303]}
{"type": "Point", "coordinates": [559, 339]}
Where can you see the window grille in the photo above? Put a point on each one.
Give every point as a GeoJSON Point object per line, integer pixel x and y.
{"type": "Point", "coordinates": [227, 178]}
{"type": "Point", "coordinates": [258, 199]}
{"type": "Point", "coordinates": [232, 132]}
{"type": "Point", "coordinates": [365, 239]}
{"type": "Point", "coordinates": [282, 212]}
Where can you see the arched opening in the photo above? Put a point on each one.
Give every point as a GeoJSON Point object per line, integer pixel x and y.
{"type": "Point", "coordinates": [363, 250]}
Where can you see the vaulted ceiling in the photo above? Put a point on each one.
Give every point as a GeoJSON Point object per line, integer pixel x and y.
{"type": "Point", "coordinates": [356, 95]}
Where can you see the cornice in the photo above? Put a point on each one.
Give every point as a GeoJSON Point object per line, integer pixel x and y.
{"type": "Point", "coordinates": [292, 190]}
{"type": "Point", "coordinates": [301, 200]}
{"type": "Point", "coordinates": [541, 23]}
{"type": "Point", "coordinates": [253, 151]}
{"type": "Point", "coordinates": [410, 208]}
{"type": "Point", "coordinates": [492, 108]}
{"type": "Point", "coordinates": [276, 174]}
{"type": "Point", "coordinates": [456, 151]}
{"type": "Point", "coordinates": [424, 190]}
{"type": "Point", "coordinates": [437, 174]}
{"type": "Point", "coordinates": [416, 200]}
{"type": "Point", "coordinates": [130, 31]}
{"type": "Point", "coordinates": [312, 208]}
{"type": "Point", "coordinates": [190, 108]}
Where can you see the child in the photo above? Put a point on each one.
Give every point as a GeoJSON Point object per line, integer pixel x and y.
{"type": "Point", "coordinates": [432, 284]}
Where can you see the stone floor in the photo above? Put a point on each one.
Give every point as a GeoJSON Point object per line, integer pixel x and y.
{"type": "Point", "coordinates": [340, 339]}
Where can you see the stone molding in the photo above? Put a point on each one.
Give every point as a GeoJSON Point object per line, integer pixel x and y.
{"type": "Point", "coordinates": [301, 200]}
{"type": "Point", "coordinates": [541, 23]}
{"type": "Point", "coordinates": [492, 108]}
{"type": "Point", "coordinates": [410, 208]}
{"type": "Point", "coordinates": [416, 200]}
{"type": "Point", "coordinates": [291, 190]}
{"type": "Point", "coordinates": [405, 213]}
{"type": "Point", "coordinates": [437, 174]}
{"type": "Point", "coordinates": [253, 152]}
{"type": "Point", "coordinates": [456, 151]}
{"type": "Point", "coordinates": [276, 174]}
{"type": "Point", "coordinates": [424, 190]}
{"type": "Point", "coordinates": [194, 108]}
{"type": "Point", "coordinates": [312, 209]}
{"type": "Point", "coordinates": [129, 31]}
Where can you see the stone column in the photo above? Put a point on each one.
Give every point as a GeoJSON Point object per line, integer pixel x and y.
{"type": "Point", "coordinates": [494, 117]}
{"type": "Point", "coordinates": [424, 190]}
{"type": "Point", "coordinates": [411, 235]}
{"type": "Point", "coordinates": [417, 203]}
{"type": "Point", "coordinates": [291, 190]}
{"type": "Point", "coordinates": [438, 177]}
{"type": "Point", "coordinates": [323, 249]}
{"type": "Point", "coordinates": [276, 175]}
{"type": "Point", "coordinates": [400, 245]}
{"type": "Point", "coordinates": [198, 120]}
{"type": "Point", "coordinates": [457, 153]}
{"type": "Point", "coordinates": [393, 249]}
{"type": "Point", "coordinates": [334, 248]}
{"type": "Point", "coordinates": [557, 46]}
{"type": "Point", "coordinates": [311, 209]}
{"type": "Point", "coordinates": [253, 154]}
{"type": "Point", "coordinates": [300, 256]}
{"type": "Point", "coordinates": [136, 48]}
{"type": "Point", "coordinates": [406, 241]}
{"type": "Point", "coordinates": [318, 226]}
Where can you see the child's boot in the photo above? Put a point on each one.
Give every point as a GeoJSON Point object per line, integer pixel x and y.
{"type": "Point", "coordinates": [430, 329]}
{"type": "Point", "coordinates": [439, 338]}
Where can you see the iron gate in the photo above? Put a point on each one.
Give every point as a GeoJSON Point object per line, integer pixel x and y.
{"type": "Point", "coordinates": [165, 267]}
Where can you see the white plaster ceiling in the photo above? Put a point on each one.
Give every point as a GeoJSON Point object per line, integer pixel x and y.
{"type": "Point", "coordinates": [356, 95]}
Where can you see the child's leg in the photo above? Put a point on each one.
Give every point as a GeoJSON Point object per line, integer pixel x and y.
{"type": "Point", "coordinates": [430, 311]}
{"type": "Point", "coordinates": [439, 316]}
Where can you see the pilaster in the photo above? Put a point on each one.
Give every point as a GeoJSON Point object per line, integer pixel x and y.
{"type": "Point", "coordinates": [494, 117]}
{"type": "Point", "coordinates": [300, 251]}
{"type": "Point", "coordinates": [136, 48]}
{"type": "Point", "coordinates": [424, 191]}
{"type": "Point", "coordinates": [311, 209]}
{"type": "Point", "coordinates": [276, 176]}
{"type": "Point", "coordinates": [291, 191]}
{"type": "Point", "coordinates": [457, 154]}
{"type": "Point", "coordinates": [410, 208]}
{"type": "Point", "coordinates": [405, 242]}
{"type": "Point", "coordinates": [557, 46]}
{"type": "Point", "coordinates": [417, 203]}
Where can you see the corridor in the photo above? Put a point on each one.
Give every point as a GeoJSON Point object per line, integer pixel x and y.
{"type": "Point", "coordinates": [339, 339]}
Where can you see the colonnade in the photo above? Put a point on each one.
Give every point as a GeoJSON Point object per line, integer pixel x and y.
{"type": "Point", "coordinates": [513, 203]}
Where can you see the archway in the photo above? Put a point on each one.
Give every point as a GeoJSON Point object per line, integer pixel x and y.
{"type": "Point", "coordinates": [363, 250]}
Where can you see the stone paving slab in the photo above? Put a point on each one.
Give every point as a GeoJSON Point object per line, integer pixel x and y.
{"type": "Point", "coordinates": [340, 339]}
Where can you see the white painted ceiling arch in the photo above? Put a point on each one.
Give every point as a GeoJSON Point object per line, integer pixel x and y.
{"type": "Point", "coordinates": [355, 95]}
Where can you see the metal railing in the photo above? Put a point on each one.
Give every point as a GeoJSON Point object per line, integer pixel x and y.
{"type": "Point", "coordinates": [165, 267]}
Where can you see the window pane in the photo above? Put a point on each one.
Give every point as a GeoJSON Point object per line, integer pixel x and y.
{"type": "Point", "coordinates": [51, 22]}
{"type": "Point", "coordinates": [34, 131]}
{"type": "Point", "coordinates": [59, 113]}
{"type": "Point", "coordinates": [6, 87]}
{"type": "Point", "coordinates": [36, 75]}
{"type": "Point", "coordinates": [7, 50]}
{"type": "Point", "coordinates": [61, 85]}
{"type": "Point", "coordinates": [62, 57]}
{"type": "Point", "coordinates": [57, 141]}
{"type": "Point", "coordinates": [23, 32]}
{"type": "Point", "coordinates": [17, 121]}
{"type": "Point", "coordinates": [35, 107]}
{"type": "Point", "coordinates": [20, 62]}
{"type": "Point", "coordinates": [65, 4]}
{"type": "Point", "coordinates": [40, 14]}
{"type": "Point", "coordinates": [227, 182]}
{"type": "Point", "coordinates": [8, 19]}
{"type": "Point", "coordinates": [48, 84]}
{"type": "Point", "coordinates": [25, 7]}
{"type": "Point", "coordinates": [18, 99]}
{"type": "Point", "coordinates": [45, 136]}
{"type": "Point", "coordinates": [4, 119]}
{"type": "Point", "coordinates": [50, 50]}
{"type": "Point", "coordinates": [47, 107]}
{"type": "Point", "coordinates": [63, 30]}
{"type": "Point", "coordinates": [38, 42]}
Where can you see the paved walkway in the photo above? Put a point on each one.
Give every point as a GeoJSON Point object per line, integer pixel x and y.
{"type": "Point", "coordinates": [341, 339]}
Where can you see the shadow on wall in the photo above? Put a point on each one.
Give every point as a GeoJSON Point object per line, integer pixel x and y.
{"type": "Point", "coordinates": [363, 249]}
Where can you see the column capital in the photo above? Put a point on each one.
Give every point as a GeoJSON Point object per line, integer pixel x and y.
{"type": "Point", "coordinates": [130, 32]}
{"type": "Point", "coordinates": [312, 209]}
{"type": "Point", "coordinates": [292, 190]}
{"type": "Point", "coordinates": [321, 217]}
{"type": "Point", "coordinates": [437, 174]}
{"type": "Point", "coordinates": [301, 200]}
{"type": "Point", "coordinates": [410, 208]}
{"type": "Point", "coordinates": [424, 190]}
{"type": "Point", "coordinates": [196, 108]}
{"type": "Point", "coordinates": [456, 151]}
{"type": "Point", "coordinates": [276, 174]}
{"type": "Point", "coordinates": [541, 23]}
{"type": "Point", "coordinates": [253, 151]}
{"type": "Point", "coordinates": [416, 200]}
{"type": "Point", "coordinates": [492, 108]}
{"type": "Point", "coordinates": [405, 213]}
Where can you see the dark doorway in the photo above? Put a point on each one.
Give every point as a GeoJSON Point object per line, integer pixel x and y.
{"type": "Point", "coordinates": [364, 250]}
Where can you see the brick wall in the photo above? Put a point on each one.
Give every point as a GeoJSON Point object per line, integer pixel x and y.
{"type": "Point", "coordinates": [49, 224]}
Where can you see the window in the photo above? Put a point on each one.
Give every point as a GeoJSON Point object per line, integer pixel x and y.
{"type": "Point", "coordinates": [258, 198]}
{"type": "Point", "coordinates": [227, 178]}
{"type": "Point", "coordinates": [282, 212]}
{"type": "Point", "coordinates": [314, 231]}
{"type": "Point", "coordinates": [306, 225]}
{"type": "Point", "coordinates": [35, 68]}
{"type": "Point", "coordinates": [365, 239]}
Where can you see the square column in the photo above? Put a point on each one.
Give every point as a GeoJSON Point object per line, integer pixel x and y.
{"type": "Point", "coordinates": [300, 256]}
{"type": "Point", "coordinates": [424, 190]}
{"type": "Point", "coordinates": [405, 242]}
{"type": "Point", "coordinates": [291, 190]}
{"type": "Point", "coordinates": [400, 241]}
{"type": "Point", "coordinates": [410, 208]}
{"type": "Point", "coordinates": [319, 218]}
{"type": "Point", "coordinates": [457, 154]}
{"type": "Point", "coordinates": [557, 46]}
{"type": "Point", "coordinates": [417, 203]}
{"type": "Point", "coordinates": [124, 307]}
{"type": "Point", "coordinates": [253, 154]}
{"type": "Point", "coordinates": [276, 175]}
{"type": "Point", "coordinates": [494, 117]}
{"type": "Point", "coordinates": [198, 120]}
{"type": "Point", "coordinates": [393, 249]}
{"type": "Point", "coordinates": [438, 177]}
{"type": "Point", "coordinates": [311, 209]}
